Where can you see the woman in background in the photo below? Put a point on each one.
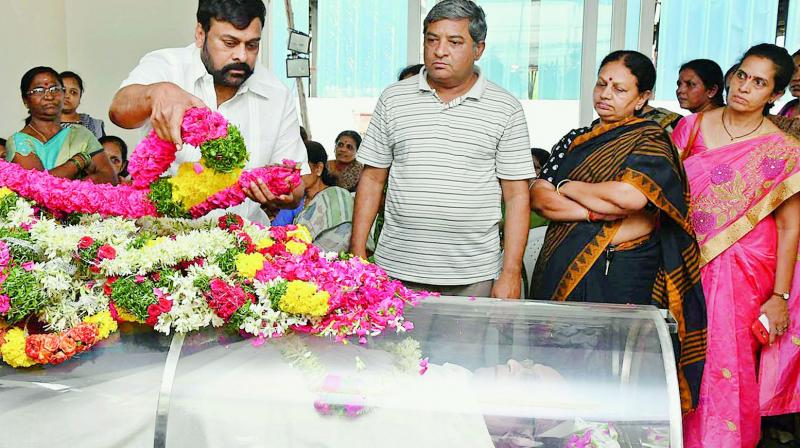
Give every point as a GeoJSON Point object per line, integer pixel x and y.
{"type": "Point", "coordinates": [328, 210]}
{"type": "Point", "coordinates": [700, 86]}
{"type": "Point", "coordinates": [73, 85]}
{"type": "Point", "coordinates": [345, 167]}
{"type": "Point", "coordinates": [71, 151]}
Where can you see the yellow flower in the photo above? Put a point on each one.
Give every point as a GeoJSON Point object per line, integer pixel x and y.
{"type": "Point", "coordinates": [126, 316]}
{"type": "Point", "coordinates": [265, 243]}
{"type": "Point", "coordinates": [301, 233]}
{"type": "Point", "coordinates": [5, 191]}
{"type": "Point", "coordinates": [296, 247]}
{"type": "Point", "coordinates": [155, 242]}
{"type": "Point", "coordinates": [304, 298]}
{"type": "Point", "coordinates": [191, 188]}
{"type": "Point", "coordinates": [248, 264]}
{"type": "Point", "coordinates": [13, 350]}
{"type": "Point", "coordinates": [104, 322]}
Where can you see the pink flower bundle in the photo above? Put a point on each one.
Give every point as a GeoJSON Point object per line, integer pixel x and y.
{"type": "Point", "coordinates": [280, 179]}
{"type": "Point", "coordinates": [202, 125]}
{"type": "Point", "coordinates": [153, 155]}
{"type": "Point", "coordinates": [150, 159]}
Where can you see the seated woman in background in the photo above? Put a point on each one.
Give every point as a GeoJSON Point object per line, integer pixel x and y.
{"type": "Point", "coordinates": [792, 108]}
{"type": "Point", "coordinates": [328, 211]}
{"type": "Point", "coordinates": [616, 196]}
{"type": "Point", "coordinates": [744, 174]}
{"type": "Point", "coordinates": [345, 167]}
{"type": "Point", "coordinates": [700, 86]}
{"type": "Point", "coordinates": [73, 93]}
{"type": "Point", "coordinates": [72, 152]}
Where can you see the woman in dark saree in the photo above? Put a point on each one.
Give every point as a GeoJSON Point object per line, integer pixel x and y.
{"type": "Point", "coordinates": [617, 198]}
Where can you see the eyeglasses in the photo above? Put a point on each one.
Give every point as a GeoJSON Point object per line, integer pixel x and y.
{"type": "Point", "coordinates": [41, 91]}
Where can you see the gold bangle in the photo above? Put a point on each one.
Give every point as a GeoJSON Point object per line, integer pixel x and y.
{"type": "Point", "coordinates": [559, 184]}
{"type": "Point", "coordinates": [77, 165]}
{"type": "Point", "coordinates": [87, 159]}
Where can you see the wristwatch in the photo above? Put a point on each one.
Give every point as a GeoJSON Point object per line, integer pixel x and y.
{"type": "Point", "coordinates": [782, 295]}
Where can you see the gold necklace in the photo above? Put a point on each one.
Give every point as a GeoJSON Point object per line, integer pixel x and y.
{"type": "Point", "coordinates": [44, 139]}
{"type": "Point", "coordinates": [738, 136]}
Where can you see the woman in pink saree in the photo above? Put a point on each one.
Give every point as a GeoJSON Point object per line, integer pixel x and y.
{"type": "Point", "coordinates": [744, 174]}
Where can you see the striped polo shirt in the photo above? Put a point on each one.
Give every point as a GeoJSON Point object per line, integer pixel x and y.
{"type": "Point", "coordinates": [443, 199]}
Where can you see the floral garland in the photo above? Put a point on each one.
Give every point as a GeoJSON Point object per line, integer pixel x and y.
{"type": "Point", "coordinates": [216, 181]}
{"type": "Point", "coordinates": [64, 287]}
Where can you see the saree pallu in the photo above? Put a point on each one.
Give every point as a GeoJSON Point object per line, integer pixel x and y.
{"type": "Point", "coordinates": [329, 219]}
{"type": "Point", "coordinates": [68, 142]}
{"type": "Point", "coordinates": [637, 152]}
{"type": "Point", "coordinates": [735, 189]}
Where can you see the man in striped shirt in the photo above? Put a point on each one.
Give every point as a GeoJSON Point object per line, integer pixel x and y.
{"type": "Point", "coordinates": [457, 145]}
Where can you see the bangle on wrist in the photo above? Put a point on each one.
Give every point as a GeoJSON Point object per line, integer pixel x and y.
{"type": "Point", "coordinates": [77, 164]}
{"type": "Point", "coordinates": [87, 160]}
{"type": "Point", "coordinates": [558, 186]}
{"type": "Point", "coordinates": [591, 217]}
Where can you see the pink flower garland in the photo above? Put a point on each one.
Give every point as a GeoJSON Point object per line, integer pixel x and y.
{"type": "Point", "coordinates": [150, 159]}
{"type": "Point", "coordinates": [153, 156]}
{"type": "Point", "coordinates": [67, 195]}
{"type": "Point", "coordinates": [280, 179]}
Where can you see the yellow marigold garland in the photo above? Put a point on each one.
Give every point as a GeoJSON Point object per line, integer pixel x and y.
{"type": "Point", "coordinates": [304, 298]}
{"type": "Point", "coordinates": [248, 264]}
{"type": "Point", "coordinates": [301, 233]}
{"type": "Point", "coordinates": [296, 247]}
{"type": "Point", "coordinates": [191, 188]}
{"type": "Point", "coordinates": [104, 322]}
{"type": "Point", "coordinates": [13, 350]}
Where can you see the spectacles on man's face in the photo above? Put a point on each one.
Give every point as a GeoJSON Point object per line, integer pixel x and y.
{"type": "Point", "coordinates": [42, 91]}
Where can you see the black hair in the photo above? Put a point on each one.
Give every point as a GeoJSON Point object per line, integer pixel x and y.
{"type": "Point", "coordinates": [27, 79]}
{"type": "Point", "coordinates": [123, 150]}
{"type": "Point", "coordinates": [541, 155]}
{"type": "Point", "coordinates": [303, 134]}
{"type": "Point", "coordinates": [640, 66]}
{"type": "Point", "coordinates": [75, 76]}
{"type": "Point", "coordinates": [796, 54]}
{"type": "Point", "coordinates": [238, 13]}
{"type": "Point", "coordinates": [781, 61]}
{"type": "Point", "coordinates": [409, 71]}
{"type": "Point", "coordinates": [317, 154]}
{"type": "Point", "coordinates": [2, 142]}
{"type": "Point", "coordinates": [784, 64]}
{"type": "Point", "coordinates": [711, 74]}
{"type": "Point", "coordinates": [352, 134]}
{"type": "Point", "coordinates": [727, 77]}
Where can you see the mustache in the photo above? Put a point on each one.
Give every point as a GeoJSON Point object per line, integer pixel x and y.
{"type": "Point", "coordinates": [241, 66]}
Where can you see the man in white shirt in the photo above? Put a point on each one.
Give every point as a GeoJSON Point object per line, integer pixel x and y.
{"type": "Point", "coordinates": [219, 71]}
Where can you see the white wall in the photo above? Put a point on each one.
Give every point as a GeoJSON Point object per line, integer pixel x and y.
{"type": "Point", "coordinates": [33, 33]}
{"type": "Point", "coordinates": [106, 39]}
{"type": "Point", "coordinates": [103, 40]}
